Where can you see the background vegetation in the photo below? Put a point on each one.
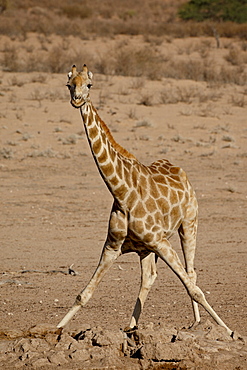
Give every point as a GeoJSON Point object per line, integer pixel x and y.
{"type": "Point", "coordinates": [48, 36]}
{"type": "Point", "coordinates": [217, 10]}
{"type": "Point", "coordinates": [131, 17]}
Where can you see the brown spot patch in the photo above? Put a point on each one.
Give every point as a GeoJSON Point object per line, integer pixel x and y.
{"type": "Point", "coordinates": [176, 177]}
{"type": "Point", "coordinates": [128, 165]}
{"type": "Point", "coordinates": [164, 170]}
{"type": "Point", "coordinates": [151, 205]}
{"type": "Point", "coordinates": [137, 227]}
{"type": "Point", "coordinates": [176, 184]}
{"type": "Point", "coordinates": [93, 132]}
{"type": "Point", "coordinates": [119, 168]}
{"type": "Point", "coordinates": [142, 186]}
{"type": "Point", "coordinates": [164, 190]}
{"type": "Point", "coordinates": [173, 197]}
{"type": "Point", "coordinates": [103, 156]}
{"type": "Point", "coordinates": [158, 218]}
{"type": "Point", "coordinates": [175, 170]}
{"type": "Point", "coordinates": [127, 177]}
{"type": "Point", "coordinates": [135, 177]}
{"type": "Point", "coordinates": [148, 237]}
{"type": "Point", "coordinates": [139, 211]}
{"type": "Point", "coordinates": [90, 119]}
{"type": "Point", "coordinates": [132, 198]}
{"type": "Point", "coordinates": [96, 146]}
{"type": "Point", "coordinates": [155, 229]}
{"type": "Point", "coordinates": [114, 180]}
{"type": "Point", "coordinates": [104, 141]}
{"type": "Point", "coordinates": [153, 189]}
{"type": "Point", "coordinates": [107, 169]}
{"type": "Point", "coordinates": [159, 179]}
{"type": "Point", "coordinates": [175, 215]}
{"type": "Point", "coordinates": [120, 192]}
{"type": "Point", "coordinates": [163, 205]}
{"type": "Point", "coordinates": [180, 195]}
{"type": "Point", "coordinates": [149, 222]}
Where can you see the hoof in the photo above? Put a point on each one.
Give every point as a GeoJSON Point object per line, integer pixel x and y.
{"type": "Point", "coordinates": [129, 330]}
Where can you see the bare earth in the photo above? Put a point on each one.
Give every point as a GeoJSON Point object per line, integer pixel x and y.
{"type": "Point", "coordinates": [54, 214]}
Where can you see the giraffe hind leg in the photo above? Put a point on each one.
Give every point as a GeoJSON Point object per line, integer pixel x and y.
{"type": "Point", "coordinates": [168, 255]}
{"type": "Point", "coordinates": [187, 234]}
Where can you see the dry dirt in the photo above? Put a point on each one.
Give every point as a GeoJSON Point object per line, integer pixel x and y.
{"type": "Point", "coordinates": [54, 214]}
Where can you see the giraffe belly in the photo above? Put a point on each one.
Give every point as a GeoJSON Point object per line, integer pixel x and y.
{"type": "Point", "coordinates": [153, 227]}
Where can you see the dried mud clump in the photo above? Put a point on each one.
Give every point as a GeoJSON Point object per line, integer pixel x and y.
{"type": "Point", "coordinates": [45, 346]}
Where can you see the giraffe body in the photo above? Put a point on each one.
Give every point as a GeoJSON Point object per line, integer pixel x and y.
{"type": "Point", "coordinates": [150, 204]}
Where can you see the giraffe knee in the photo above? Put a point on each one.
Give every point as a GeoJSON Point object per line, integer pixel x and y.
{"type": "Point", "coordinates": [196, 294]}
{"type": "Point", "coordinates": [192, 276]}
{"type": "Point", "coordinates": [150, 279]}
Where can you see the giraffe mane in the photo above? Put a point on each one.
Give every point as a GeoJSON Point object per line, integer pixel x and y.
{"type": "Point", "coordinates": [113, 142]}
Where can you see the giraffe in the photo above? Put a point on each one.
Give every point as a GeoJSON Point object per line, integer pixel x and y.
{"type": "Point", "coordinates": [150, 204]}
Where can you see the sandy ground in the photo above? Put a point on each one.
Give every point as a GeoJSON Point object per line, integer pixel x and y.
{"type": "Point", "coordinates": [55, 206]}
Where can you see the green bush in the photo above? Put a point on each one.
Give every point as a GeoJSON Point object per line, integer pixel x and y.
{"type": "Point", "coordinates": [217, 10]}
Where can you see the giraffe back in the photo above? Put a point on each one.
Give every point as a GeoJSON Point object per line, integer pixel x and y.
{"type": "Point", "coordinates": [161, 200]}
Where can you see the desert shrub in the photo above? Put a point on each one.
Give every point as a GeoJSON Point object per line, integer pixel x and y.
{"type": "Point", "coordinates": [10, 59]}
{"type": "Point", "coordinates": [78, 11]}
{"type": "Point", "coordinates": [137, 62]}
{"type": "Point", "coordinates": [107, 18]}
{"type": "Point", "coordinates": [224, 10]}
{"type": "Point", "coordinates": [234, 57]}
{"type": "Point", "coordinates": [57, 60]}
{"type": "Point", "coordinates": [204, 70]}
{"type": "Point", "coordinates": [236, 75]}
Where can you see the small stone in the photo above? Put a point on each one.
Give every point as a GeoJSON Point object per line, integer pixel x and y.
{"type": "Point", "coordinates": [107, 338]}
{"type": "Point", "coordinates": [58, 358]}
{"type": "Point", "coordinates": [65, 342]}
{"type": "Point", "coordinates": [51, 339]}
{"type": "Point", "coordinates": [41, 362]}
{"type": "Point", "coordinates": [80, 355]}
{"type": "Point", "coordinates": [218, 333]}
{"type": "Point", "coordinates": [184, 335]}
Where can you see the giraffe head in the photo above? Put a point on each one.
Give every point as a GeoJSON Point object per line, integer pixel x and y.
{"type": "Point", "coordinates": [79, 84]}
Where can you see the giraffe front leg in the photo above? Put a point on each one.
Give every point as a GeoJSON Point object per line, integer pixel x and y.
{"type": "Point", "coordinates": [108, 256]}
{"type": "Point", "coordinates": [148, 276]}
{"type": "Point", "coordinates": [112, 249]}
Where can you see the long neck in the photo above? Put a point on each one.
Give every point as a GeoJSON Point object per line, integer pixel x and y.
{"type": "Point", "coordinates": [114, 162]}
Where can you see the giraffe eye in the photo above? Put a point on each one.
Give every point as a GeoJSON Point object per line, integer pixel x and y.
{"type": "Point", "coordinates": [89, 85]}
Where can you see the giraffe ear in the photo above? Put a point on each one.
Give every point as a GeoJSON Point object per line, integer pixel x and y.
{"type": "Point", "coordinates": [73, 70]}
{"type": "Point", "coordinates": [90, 75]}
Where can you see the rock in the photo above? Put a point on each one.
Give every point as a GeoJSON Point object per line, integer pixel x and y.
{"type": "Point", "coordinates": [218, 333]}
{"type": "Point", "coordinates": [105, 357]}
{"type": "Point", "coordinates": [80, 355]}
{"type": "Point", "coordinates": [41, 330]}
{"type": "Point", "coordinates": [51, 339]}
{"type": "Point", "coordinates": [65, 341]}
{"type": "Point", "coordinates": [170, 351]}
{"type": "Point", "coordinates": [184, 335]}
{"type": "Point", "coordinates": [11, 333]}
{"type": "Point", "coordinates": [41, 362]}
{"type": "Point", "coordinates": [31, 344]}
{"type": "Point", "coordinates": [160, 334]}
{"type": "Point", "coordinates": [58, 358]}
{"type": "Point", "coordinates": [107, 338]}
{"type": "Point", "coordinates": [4, 346]}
